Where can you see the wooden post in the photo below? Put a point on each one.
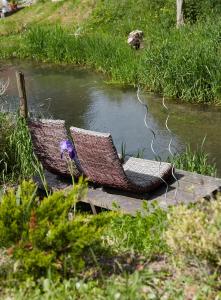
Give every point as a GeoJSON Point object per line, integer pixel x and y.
{"type": "Point", "coordinates": [92, 208]}
{"type": "Point", "coordinates": [179, 13]}
{"type": "Point", "coordinates": [23, 107]}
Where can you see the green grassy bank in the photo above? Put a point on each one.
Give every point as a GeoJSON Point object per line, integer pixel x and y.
{"type": "Point", "coordinates": [180, 63]}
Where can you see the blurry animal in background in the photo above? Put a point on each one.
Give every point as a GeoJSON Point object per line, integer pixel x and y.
{"type": "Point", "coordinates": [135, 38]}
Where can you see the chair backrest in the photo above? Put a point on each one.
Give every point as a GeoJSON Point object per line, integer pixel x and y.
{"type": "Point", "coordinates": [46, 138]}
{"type": "Point", "coordinates": [98, 158]}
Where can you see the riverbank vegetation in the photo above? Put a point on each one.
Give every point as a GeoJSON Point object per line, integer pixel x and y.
{"type": "Point", "coordinates": [16, 153]}
{"type": "Point", "coordinates": [180, 63]}
{"type": "Point", "coordinates": [17, 159]}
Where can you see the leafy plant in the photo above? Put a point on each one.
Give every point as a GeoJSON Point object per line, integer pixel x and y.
{"type": "Point", "coordinates": [45, 235]}
{"type": "Point", "coordinates": [143, 234]}
{"type": "Point", "coordinates": [194, 233]}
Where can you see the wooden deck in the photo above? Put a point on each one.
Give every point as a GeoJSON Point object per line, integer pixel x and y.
{"type": "Point", "coordinates": [190, 188]}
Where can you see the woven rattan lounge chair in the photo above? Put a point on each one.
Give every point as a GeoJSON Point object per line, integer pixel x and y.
{"type": "Point", "coordinates": [100, 164]}
{"type": "Point", "coordinates": [46, 138]}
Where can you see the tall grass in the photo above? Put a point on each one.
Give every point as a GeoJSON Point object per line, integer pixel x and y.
{"type": "Point", "coordinates": [185, 64]}
{"type": "Point", "coordinates": [16, 153]}
{"type": "Point", "coordinates": [110, 56]}
{"type": "Point", "coordinates": [181, 64]}
{"type": "Point", "coordinates": [194, 161]}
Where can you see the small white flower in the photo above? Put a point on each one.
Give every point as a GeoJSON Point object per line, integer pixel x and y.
{"type": "Point", "coordinates": [78, 285]}
{"type": "Point", "coordinates": [117, 296]}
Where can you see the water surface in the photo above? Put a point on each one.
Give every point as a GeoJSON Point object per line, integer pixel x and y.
{"type": "Point", "coordinates": [83, 99]}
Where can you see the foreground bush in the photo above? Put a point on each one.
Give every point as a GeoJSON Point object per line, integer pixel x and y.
{"type": "Point", "coordinates": [49, 250]}
{"type": "Point", "coordinates": [195, 234]}
{"type": "Point", "coordinates": [46, 235]}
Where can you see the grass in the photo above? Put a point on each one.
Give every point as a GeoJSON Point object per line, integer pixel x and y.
{"type": "Point", "coordinates": [194, 161]}
{"type": "Point", "coordinates": [182, 64]}
{"type": "Point", "coordinates": [49, 250]}
{"type": "Point", "coordinates": [164, 255]}
{"type": "Point", "coordinates": [16, 158]}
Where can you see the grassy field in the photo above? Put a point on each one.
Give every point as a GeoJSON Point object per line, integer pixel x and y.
{"type": "Point", "coordinates": [182, 64]}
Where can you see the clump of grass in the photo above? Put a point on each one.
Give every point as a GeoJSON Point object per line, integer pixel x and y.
{"type": "Point", "coordinates": [139, 234]}
{"type": "Point", "coordinates": [16, 157]}
{"type": "Point", "coordinates": [194, 161]}
{"type": "Point", "coordinates": [183, 65]}
{"type": "Point", "coordinates": [110, 56]}
{"type": "Point", "coordinates": [193, 233]}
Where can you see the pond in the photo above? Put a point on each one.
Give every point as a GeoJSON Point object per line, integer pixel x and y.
{"type": "Point", "coordinates": [83, 99]}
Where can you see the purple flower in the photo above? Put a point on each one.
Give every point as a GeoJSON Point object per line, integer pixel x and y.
{"type": "Point", "coordinates": [67, 146]}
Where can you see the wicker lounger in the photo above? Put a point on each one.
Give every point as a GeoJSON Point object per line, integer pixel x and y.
{"type": "Point", "coordinates": [100, 163]}
{"type": "Point", "coordinates": [46, 137]}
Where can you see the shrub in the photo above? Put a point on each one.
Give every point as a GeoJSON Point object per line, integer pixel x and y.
{"type": "Point", "coordinates": [194, 233]}
{"type": "Point", "coordinates": [47, 235]}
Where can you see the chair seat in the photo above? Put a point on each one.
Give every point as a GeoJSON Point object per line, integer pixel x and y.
{"type": "Point", "coordinates": [146, 173]}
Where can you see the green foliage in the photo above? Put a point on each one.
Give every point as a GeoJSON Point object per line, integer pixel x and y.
{"type": "Point", "coordinates": [194, 161]}
{"type": "Point", "coordinates": [111, 56]}
{"type": "Point", "coordinates": [44, 243]}
{"type": "Point", "coordinates": [121, 17]}
{"type": "Point", "coordinates": [15, 209]}
{"type": "Point", "coordinates": [142, 234]}
{"type": "Point", "coordinates": [47, 236]}
{"type": "Point", "coordinates": [184, 63]}
{"type": "Point", "coordinates": [181, 63]}
{"type": "Point", "coordinates": [143, 285]}
{"type": "Point", "coordinates": [126, 287]}
{"type": "Point", "coordinates": [16, 155]}
{"type": "Point", "coordinates": [194, 234]}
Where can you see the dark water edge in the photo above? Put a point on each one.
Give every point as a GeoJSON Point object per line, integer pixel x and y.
{"type": "Point", "coordinates": [83, 99]}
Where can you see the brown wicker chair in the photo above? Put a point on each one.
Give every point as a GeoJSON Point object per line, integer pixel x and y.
{"type": "Point", "coordinates": [46, 137]}
{"type": "Point", "coordinates": [100, 164]}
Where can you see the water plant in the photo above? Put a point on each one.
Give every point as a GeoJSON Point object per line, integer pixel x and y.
{"type": "Point", "coordinates": [194, 161]}
{"type": "Point", "coordinates": [17, 155]}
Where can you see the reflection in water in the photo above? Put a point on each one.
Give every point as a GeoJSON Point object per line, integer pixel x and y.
{"type": "Point", "coordinates": [84, 100]}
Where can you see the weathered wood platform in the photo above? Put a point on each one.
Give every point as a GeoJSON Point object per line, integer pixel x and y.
{"type": "Point", "coordinates": [189, 189]}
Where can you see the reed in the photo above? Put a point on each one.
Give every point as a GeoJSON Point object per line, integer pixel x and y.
{"type": "Point", "coordinates": [194, 161]}
{"type": "Point", "coordinates": [185, 65]}
{"type": "Point", "coordinates": [182, 64]}
{"type": "Point", "coordinates": [16, 153]}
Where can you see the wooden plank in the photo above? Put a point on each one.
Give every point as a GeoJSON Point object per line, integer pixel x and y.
{"type": "Point", "coordinates": [198, 178]}
{"type": "Point", "coordinates": [192, 187]}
